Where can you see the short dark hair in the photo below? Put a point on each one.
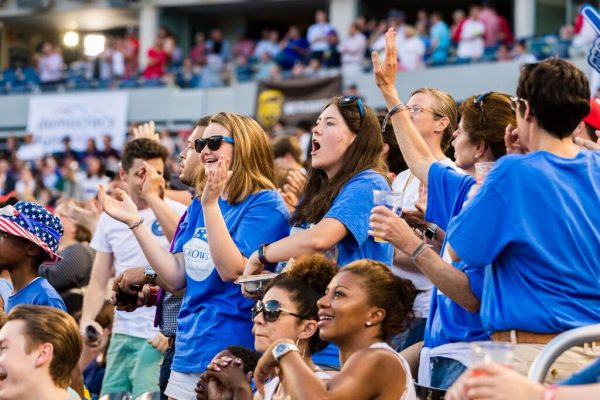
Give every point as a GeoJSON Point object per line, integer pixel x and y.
{"type": "Point", "coordinates": [144, 149]}
{"type": "Point", "coordinates": [558, 94]}
{"type": "Point", "coordinates": [249, 357]}
{"type": "Point", "coordinates": [204, 121]}
{"type": "Point", "coordinates": [284, 145]}
{"type": "Point", "coordinates": [50, 325]}
{"type": "Point", "coordinates": [395, 160]}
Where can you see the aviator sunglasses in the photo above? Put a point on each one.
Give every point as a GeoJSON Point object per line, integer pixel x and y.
{"type": "Point", "coordinates": [213, 142]}
{"type": "Point", "coordinates": [271, 310]}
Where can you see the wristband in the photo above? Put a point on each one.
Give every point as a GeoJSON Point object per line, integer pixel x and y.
{"type": "Point", "coordinates": [138, 223]}
{"type": "Point", "coordinates": [393, 111]}
{"type": "Point", "coordinates": [550, 392]}
{"type": "Point", "coordinates": [261, 257]}
{"type": "Point", "coordinates": [420, 249]}
{"type": "Point", "coordinates": [153, 296]}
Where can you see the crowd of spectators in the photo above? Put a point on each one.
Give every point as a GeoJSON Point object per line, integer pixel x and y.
{"type": "Point", "coordinates": [225, 241]}
{"type": "Point", "coordinates": [212, 60]}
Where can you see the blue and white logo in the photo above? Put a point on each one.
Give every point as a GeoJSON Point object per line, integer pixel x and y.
{"type": "Point", "coordinates": [198, 261]}
{"type": "Point", "coordinates": [592, 16]}
{"type": "Point", "coordinates": [156, 229]}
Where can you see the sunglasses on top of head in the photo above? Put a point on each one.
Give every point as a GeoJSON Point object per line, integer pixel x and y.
{"type": "Point", "coordinates": [271, 310]}
{"type": "Point", "coordinates": [347, 100]}
{"type": "Point", "coordinates": [213, 143]}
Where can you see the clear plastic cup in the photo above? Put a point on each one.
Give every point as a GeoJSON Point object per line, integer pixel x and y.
{"type": "Point", "coordinates": [484, 353]}
{"type": "Point", "coordinates": [392, 200]}
{"type": "Point", "coordinates": [482, 169]}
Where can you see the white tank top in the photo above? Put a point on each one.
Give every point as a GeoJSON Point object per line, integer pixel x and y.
{"type": "Point", "coordinates": [273, 391]}
{"type": "Point", "coordinates": [409, 391]}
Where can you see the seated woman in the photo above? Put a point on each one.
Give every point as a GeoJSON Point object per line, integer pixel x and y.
{"type": "Point", "coordinates": [364, 307]}
{"type": "Point", "coordinates": [479, 138]}
{"type": "Point", "coordinates": [288, 311]}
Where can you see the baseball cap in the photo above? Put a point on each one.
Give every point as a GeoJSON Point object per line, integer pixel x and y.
{"type": "Point", "coordinates": [593, 118]}
{"type": "Point", "coordinates": [33, 222]}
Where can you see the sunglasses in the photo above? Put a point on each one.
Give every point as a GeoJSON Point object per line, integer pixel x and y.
{"type": "Point", "coordinates": [213, 142]}
{"type": "Point", "coordinates": [271, 310]}
{"type": "Point", "coordinates": [479, 101]}
{"type": "Point", "coordinates": [348, 100]}
{"type": "Point", "coordinates": [514, 102]}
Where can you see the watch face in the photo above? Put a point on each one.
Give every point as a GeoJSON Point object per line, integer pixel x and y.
{"type": "Point", "coordinates": [280, 347]}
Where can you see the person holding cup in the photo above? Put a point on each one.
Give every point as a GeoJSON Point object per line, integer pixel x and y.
{"type": "Point", "coordinates": [332, 216]}
{"type": "Point", "coordinates": [479, 138]}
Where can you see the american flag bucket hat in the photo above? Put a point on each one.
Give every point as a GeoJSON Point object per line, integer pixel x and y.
{"type": "Point", "coordinates": [33, 222]}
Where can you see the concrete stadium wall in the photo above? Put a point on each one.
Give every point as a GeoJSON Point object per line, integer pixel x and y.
{"type": "Point", "coordinates": [174, 106]}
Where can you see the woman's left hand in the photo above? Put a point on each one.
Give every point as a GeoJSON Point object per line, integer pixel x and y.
{"type": "Point", "coordinates": [216, 182]}
{"type": "Point", "coordinates": [266, 365]}
{"type": "Point", "coordinates": [385, 224]}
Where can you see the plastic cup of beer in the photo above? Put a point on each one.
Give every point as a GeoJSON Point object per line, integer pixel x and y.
{"type": "Point", "coordinates": [482, 169]}
{"type": "Point", "coordinates": [485, 353]}
{"type": "Point", "coordinates": [392, 200]}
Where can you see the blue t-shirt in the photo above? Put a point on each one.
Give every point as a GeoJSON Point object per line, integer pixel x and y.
{"type": "Point", "coordinates": [449, 322]}
{"type": "Point", "coordinates": [352, 207]}
{"type": "Point", "coordinates": [440, 34]}
{"type": "Point", "coordinates": [38, 292]}
{"type": "Point", "coordinates": [214, 314]}
{"type": "Point", "coordinates": [535, 220]}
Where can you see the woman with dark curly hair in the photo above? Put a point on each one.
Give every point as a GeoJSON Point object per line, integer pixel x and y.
{"type": "Point", "coordinates": [364, 307]}
{"type": "Point", "coordinates": [289, 311]}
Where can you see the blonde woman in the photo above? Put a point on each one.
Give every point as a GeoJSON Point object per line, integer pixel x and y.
{"type": "Point", "coordinates": [237, 212]}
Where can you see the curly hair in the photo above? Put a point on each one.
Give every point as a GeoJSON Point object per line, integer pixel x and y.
{"type": "Point", "coordinates": [388, 291]}
{"type": "Point", "coordinates": [306, 282]}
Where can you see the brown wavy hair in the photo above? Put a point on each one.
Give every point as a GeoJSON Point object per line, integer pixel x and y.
{"type": "Point", "coordinates": [252, 165]}
{"type": "Point", "coordinates": [498, 114]}
{"type": "Point", "coordinates": [363, 154]}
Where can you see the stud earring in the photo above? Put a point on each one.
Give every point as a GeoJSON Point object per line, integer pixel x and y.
{"type": "Point", "coordinates": [368, 323]}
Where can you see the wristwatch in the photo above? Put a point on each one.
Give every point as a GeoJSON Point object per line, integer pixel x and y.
{"type": "Point", "coordinates": [431, 231]}
{"type": "Point", "coordinates": [282, 349]}
{"type": "Point", "coordinates": [263, 259]}
{"type": "Point", "coordinates": [150, 275]}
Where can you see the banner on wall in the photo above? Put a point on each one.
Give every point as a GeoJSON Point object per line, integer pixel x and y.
{"type": "Point", "coordinates": [294, 100]}
{"type": "Point", "coordinates": [79, 116]}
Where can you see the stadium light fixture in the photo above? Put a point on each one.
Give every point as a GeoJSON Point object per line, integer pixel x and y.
{"type": "Point", "coordinates": [93, 44]}
{"type": "Point", "coordinates": [71, 39]}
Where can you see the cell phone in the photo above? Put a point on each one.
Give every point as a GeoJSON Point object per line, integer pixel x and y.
{"type": "Point", "coordinates": [255, 283]}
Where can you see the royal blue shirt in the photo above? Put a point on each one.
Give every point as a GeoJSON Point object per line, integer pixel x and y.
{"type": "Point", "coordinates": [535, 220]}
{"type": "Point", "coordinates": [449, 322]}
{"type": "Point", "coordinates": [38, 292]}
{"type": "Point", "coordinates": [214, 314]}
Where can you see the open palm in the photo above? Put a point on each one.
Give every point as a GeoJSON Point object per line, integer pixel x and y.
{"type": "Point", "coordinates": [121, 208]}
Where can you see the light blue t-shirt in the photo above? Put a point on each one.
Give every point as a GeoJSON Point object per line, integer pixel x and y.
{"type": "Point", "coordinates": [6, 288]}
{"type": "Point", "coordinates": [449, 322]}
{"type": "Point", "coordinates": [352, 207]}
{"type": "Point", "coordinates": [440, 33]}
{"type": "Point", "coordinates": [535, 220]}
{"type": "Point", "coordinates": [38, 292]}
{"type": "Point", "coordinates": [214, 314]}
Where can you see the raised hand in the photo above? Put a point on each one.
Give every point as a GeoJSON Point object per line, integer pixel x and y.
{"type": "Point", "coordinates": [85, 216]}
{"type": "Point", "coordinates": [385, 73]}
{"type": "Point", "coordinates": [296, 181]}
{"type": "Point", "coordinates": [121, 208]}
{"type": "Point", "coordinates": [216, 182]}
{"type": "Point", "coordinates": [588, 144]}
{"type": "Point", "coordinates": [154, 184]}
{"type": "Point", "coordinates": [146, 131]}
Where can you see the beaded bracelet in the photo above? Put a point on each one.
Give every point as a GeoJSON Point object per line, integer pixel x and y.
{"type": "Point", "coordinates": [393, 111]}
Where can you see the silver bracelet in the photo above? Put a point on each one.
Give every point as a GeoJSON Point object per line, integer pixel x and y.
{"type": "Point", "coordinates": [420, 249]}
{"type": "Point", "coordinates": [138, 223]}
{"type": "Point", "coordinates": [394, 110]}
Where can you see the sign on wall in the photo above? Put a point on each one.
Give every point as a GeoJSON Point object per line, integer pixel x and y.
{"type": "Point", "coordinates": [294, 100]}
{"type": "Point", "coordinates": [79, 116]}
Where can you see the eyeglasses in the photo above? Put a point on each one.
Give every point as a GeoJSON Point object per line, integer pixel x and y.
{"type": "Point", "coordinates": [514, 102]}
{"type": "Point", "coordinates": [419, 109]}
{"type": "Point", "coordinates": [479, 101]}
{"type": "Point", "coordinates": [271, 310]}
{"type": "Point", "coordinates": [213, 142]}
{"type": "Point", "coordinates": [351, 99]}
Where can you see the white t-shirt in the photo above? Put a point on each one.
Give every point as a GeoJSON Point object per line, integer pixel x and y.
{"type": "Point", "coordinates": [115, 237]}
{"type": "Point", "coordinates": [406, 182]}
{"type": "Point", "coordinates": [317, 36]}
{"type": "Point", "coordinates": [470, 44]}
{"type": "Point", "coordinates": [410, 53]}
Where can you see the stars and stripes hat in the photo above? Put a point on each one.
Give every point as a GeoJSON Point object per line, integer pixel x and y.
{"type": "Point", "coordinates": [33, 222]}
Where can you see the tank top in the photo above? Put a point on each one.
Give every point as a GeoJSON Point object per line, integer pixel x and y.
{"type": "Point", "coordinates": [409, 390]}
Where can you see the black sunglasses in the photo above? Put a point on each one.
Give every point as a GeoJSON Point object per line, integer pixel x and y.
{"type": "Point", "coordinates": [213, 142]}
{"type": "Point", "coordinates": [479, 101]}
{"type": "Point", "coordinates": [347, 100]}
{"type": "Point", "coordinates": [271, 310]}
